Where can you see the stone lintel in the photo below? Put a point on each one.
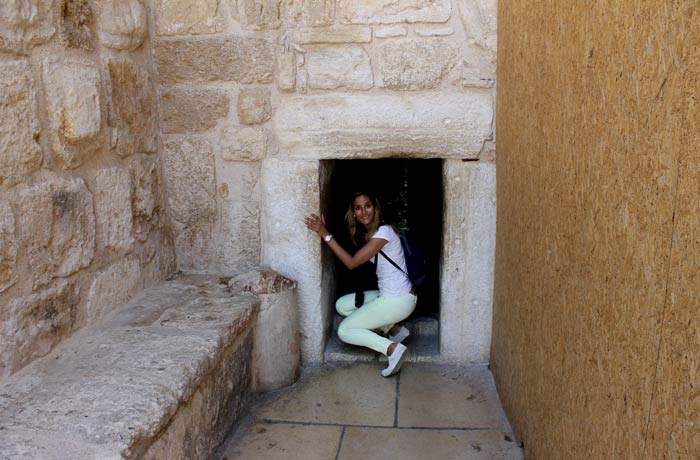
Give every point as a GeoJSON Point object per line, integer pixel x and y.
{"type": "Point", "coordinates": [380, 126]}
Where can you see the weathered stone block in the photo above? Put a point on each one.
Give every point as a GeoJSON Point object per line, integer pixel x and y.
{"type": "Point", "coordinates": [25, 24]}
{"type": "Point", "coordinates": [393, 31]}
{"type": "Point", "coordinates": [8, 247]}
{"type": "Point", "coordinates": [192, 110]}
{"type": "Point", "coordinates": [290, 191]}
{"type": "Point", "coordinates": [339, 67]}
{"type": "Point", "coordinates": [188, 165]}
{"type": "Point", "coordinates": [276, 355]}
{"type": "Point", "coordinates": [477, 78]}
{"type": "Point", "coordinates": [415, 64]}
{"type": "Point", "coordinates": [145, 202]}
{"type": "Point", "coordinates": [157, 259]}
{"type": "Point", "coordinates": [131, 109]}
{"type": "Point", "coordinates": [111, 289]}
{"type": "Point", "coordinates": [238, 245]}
{"type": "Point", "coordinates": [162, 379]}
{"type": "Point", "coordinates": [20, 154]}
{"type": "Point", "coordinates": [479, 18]}
{"type": "Point", "coordinates": [466, 284]}
{"type": "Point", "coordinates": [338, 34]}
{"type": "Point", "coordinates": [319, 12]}
{"type": "Point", "coordinates": [183, 17]}
{"type": "Point", "coordinates": [57, 226]}
{"type": "Point", "coordinates": [434, 31]}
{"type": "Point", "coordinates": [113, 213]}
{"type": "Point", "coordinates": [123, 24]}
{"type": "Point", "coordinates": [238, 248]}
{"type": "Point", "coordinates": [193, 245]}
{"type": "Point", "coordinates": [286, 71]}
{"type": "Point", "coordinates": [244, 60]}
{"type": "Point", "coordinates": [73, 93]}
{"type": "Point", "coordinates": [479, 56]}
{"type": "Point", "coordinates": [254, 106]}
{"type": "Point", "coordinates": [393, 11]}
{"type": "Point", "coordinates": [77, 24]}
{"type": "Point", "coordinates": [31, 326]}
{"type": "Point", "coordinates": [262, 14]}
{"type": "Point", "coordinates": [445, 125]}
{"type": "Point", "coordinates": [242, 143]}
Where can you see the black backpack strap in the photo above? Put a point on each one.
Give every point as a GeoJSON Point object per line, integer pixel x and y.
{"type": "Point", "coordinates": [390, 261]}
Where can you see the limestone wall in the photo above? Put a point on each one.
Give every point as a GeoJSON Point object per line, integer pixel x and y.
{"type": "Point", "coordinates": [81, 203]}
{"type": "Point", "coordinates": [596, 347]}
{"type": "Point", "coordinates": [253, 93]}
{"type": "Point", "coordinates": [249, 80]}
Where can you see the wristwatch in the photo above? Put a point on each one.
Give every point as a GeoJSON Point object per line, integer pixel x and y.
{"type": "Point", "coordinates": [328, 238]}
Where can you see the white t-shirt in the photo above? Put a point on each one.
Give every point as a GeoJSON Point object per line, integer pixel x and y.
{"type": "Point", "coordinates": [392, 282]}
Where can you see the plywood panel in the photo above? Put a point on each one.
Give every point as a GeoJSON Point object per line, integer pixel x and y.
{"type": "Point", "coordinates": [592, 135]}
{"type": "Point", "coordinates": [674, 432]}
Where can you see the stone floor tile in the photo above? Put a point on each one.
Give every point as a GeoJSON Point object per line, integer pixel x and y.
{"type": "Point", "coordinates": [265, 441]}
{"type": "Point", "coordinates": [349, 395]}
{"type": "Point", "coordinates": [449, 397]}
{"type": "Point", "coordinates": [409, 444]}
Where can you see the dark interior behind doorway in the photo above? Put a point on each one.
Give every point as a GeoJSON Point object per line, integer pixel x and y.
{"type": "Point", "coordinates": [410, 193]}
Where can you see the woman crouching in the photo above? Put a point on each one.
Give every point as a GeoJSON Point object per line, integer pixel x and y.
{"type": "Point", "coordinates": [395, 299]}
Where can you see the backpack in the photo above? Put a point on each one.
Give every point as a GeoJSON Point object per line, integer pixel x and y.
{"type": "Point", "coordinates": [414, 257]}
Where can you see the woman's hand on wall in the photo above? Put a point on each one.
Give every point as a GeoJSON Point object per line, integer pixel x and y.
{"type": "Point", "coordinates": [316, 224]}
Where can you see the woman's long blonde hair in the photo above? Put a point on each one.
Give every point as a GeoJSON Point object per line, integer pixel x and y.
{"type": "Point", "coordinates": [358, 234]}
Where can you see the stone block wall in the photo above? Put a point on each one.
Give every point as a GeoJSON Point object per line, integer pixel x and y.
{"type": "Point", "coordinates": [253, 93]}
{"type": "Point", "coordinates": [244, 81]}
{"type": "Point", "coordinates": [82, 223]}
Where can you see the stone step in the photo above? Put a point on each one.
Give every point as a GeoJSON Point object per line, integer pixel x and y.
{"type": "Point", "coordinates": [163, 377]}
{"type": "Point", "coordinates": [423, 344]}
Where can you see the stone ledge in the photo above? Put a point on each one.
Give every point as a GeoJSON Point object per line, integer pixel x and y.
{"type": "Point", "coordinates": [141, 384]}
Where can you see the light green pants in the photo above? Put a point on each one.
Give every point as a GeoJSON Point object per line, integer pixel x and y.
{"type": "Point", "coordinates": [376, 313]}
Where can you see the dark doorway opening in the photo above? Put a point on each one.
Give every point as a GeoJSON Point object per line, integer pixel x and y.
{"type": "Point", "coordinates": [410, 193]}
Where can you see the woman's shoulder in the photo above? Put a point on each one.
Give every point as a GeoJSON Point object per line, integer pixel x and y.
{"type": "Point", "coordinates": [385, 231]}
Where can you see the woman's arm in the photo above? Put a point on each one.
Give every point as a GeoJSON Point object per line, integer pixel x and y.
{"type": "Point", "coordinates": [366, 252]}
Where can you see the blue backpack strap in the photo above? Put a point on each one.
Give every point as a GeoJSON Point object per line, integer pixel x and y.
{"type": "Point", "coordinates": [404, 243]}
{"type": "Point", "coordinates": [390, 261]}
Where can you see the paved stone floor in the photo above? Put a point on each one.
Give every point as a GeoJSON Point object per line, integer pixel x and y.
{"type": "Point", "coordinates": [351, 412]}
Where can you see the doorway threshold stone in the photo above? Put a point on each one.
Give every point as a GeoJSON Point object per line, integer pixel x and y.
{"type": "Point", "coordinates": [423, 344]}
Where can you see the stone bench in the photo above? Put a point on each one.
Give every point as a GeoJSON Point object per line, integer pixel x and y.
{"type": "Point", "coordinates": [162, 378]}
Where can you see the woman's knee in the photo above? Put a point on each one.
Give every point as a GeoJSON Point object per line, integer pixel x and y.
{"type": "Point", "coordinates": [345, 305]}
{"type": "Point", "coordinates": [342, 332]}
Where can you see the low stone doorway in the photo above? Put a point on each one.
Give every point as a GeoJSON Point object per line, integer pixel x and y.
{"type": "Point", "coordinates": [292, 188]}
{"type": "Point", "coordinates": [410, 193]}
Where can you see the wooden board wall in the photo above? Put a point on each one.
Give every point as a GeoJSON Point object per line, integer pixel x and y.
{"type": "Point", "coordinates": [596, 339]}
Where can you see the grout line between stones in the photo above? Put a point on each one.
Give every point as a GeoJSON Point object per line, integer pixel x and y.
{"type": "Point", "coordinates": [340, 443]}
{"type": "Point", "coordinates": [350, 425]}
{"type": "Point", "coordinates": [396, 401]}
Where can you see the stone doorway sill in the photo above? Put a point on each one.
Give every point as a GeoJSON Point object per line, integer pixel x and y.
{"type": "Point", "coordinates": [423, 344]}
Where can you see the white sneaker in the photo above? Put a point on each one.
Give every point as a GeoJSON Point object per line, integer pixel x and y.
{"type": "Point", "coordinates": [400, 336]}
{"type": "Point", "coordinates": [395, 360]}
